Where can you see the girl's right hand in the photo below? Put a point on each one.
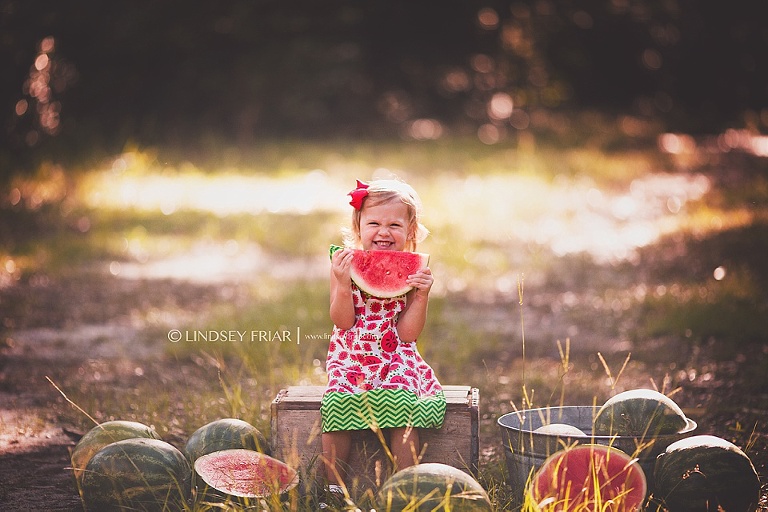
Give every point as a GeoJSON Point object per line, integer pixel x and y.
{"type": "Point", "coordinates": [342, 302]}
{"type": "Point", "coordinates": [341, 264]}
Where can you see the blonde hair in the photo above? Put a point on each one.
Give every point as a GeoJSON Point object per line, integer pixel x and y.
{"type": "Point", "coordinates": [385, 191]}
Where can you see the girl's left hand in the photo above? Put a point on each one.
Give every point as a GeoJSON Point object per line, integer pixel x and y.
{"type": "Point", "coordinates": [421, 280]}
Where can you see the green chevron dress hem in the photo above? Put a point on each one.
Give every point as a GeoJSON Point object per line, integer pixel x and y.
{"type": "Point", "coordinates": [381, 408]}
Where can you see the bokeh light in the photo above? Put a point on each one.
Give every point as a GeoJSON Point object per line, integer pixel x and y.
{"type": "Point", "coordinates": [719, 273]}
{"type": "Point", "coordinates": [501, 106]}
{"type": "Point", "coordinates": [488, 18]}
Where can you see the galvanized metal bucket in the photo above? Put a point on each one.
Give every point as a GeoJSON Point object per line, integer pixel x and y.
{"type": "Point", "coordinates": [525, 450]}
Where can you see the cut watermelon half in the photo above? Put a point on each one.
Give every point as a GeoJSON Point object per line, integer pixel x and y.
{"type": "Point", "coordinates": [245, 473]}
{"type": "Point", "coordinates": [383, 273]}
{"type": "Point", "coordinates": [589, 477]}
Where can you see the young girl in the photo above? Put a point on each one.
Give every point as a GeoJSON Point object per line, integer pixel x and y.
{"type": "Point", "coordinates": [373, 384]}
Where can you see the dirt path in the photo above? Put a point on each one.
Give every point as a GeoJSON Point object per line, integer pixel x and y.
{"type": "Point", "coordinates": [60, 338]}
{"type": "Point", "coordinates": [67, 329]}
{"type": "Point", "coordinates": [100, 327]}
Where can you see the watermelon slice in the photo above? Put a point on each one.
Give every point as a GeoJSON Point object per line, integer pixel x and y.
{"type": "Point", "coordinates": [589, 477]}
{"type": "Point", "coordinates": [383, 273]}
{"type": "Point", "coordinates": [245, 473]}
{"type": "Point", "coordinates": [560, 429]}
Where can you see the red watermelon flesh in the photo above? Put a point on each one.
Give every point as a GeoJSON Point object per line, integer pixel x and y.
{"type": "Point", "coordinates": [587, 478]}
{"type": "Point", "coordinates": [245, 473]}
{"type": "Point", "coordinates": [383, 273]}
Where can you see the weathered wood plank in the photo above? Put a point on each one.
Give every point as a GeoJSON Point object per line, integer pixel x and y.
{"type": "Point", "coordinates": [296, 432]}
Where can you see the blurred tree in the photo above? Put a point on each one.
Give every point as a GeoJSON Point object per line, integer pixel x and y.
{"type": "Point", "coordinates": [84, 77]}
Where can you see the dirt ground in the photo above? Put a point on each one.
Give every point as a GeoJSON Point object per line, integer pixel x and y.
{"type": "Point", "coordinates": [68, 325]}
{"type": "Point", "coordinates": [79, 328]}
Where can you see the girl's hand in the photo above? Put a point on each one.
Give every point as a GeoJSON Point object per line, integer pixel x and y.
{"type": "Point", "coordinates": [411, 320]}
{"type": "Point", "coordinates": [421, 281]}
{"type": "Point", "coordinates": [342, 306]}
{"type": "Point", "coordinates": [341, 264]}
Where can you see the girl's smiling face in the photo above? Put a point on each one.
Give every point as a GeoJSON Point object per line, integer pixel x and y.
{"type": "Point", "coordinates": [384, 227]}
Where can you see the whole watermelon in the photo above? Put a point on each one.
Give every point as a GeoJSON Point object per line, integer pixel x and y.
{"type": "Point", "coordinates": [705, 473]}
{"type": "Point", "coordinates": [102, 435]}
{"type": "Point", "coordinates": [224, 434]}
{"type": "Point", "coordinates": [216, 436]}
{"type": "Point", "coordinates": [433, 487]}
{"type": "Point", "coordinates": [639, 413]}
{"type": "Point", "coordinates": [137, 474]}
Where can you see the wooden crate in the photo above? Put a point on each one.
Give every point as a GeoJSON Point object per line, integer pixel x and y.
{"type": "Point", "coordinates": [296, 431]}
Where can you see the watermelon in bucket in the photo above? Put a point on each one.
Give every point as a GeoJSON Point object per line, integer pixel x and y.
{"type": "Point", "coordinates": [526, 447]}
{"type": "Point", "coordinates": [639, 413]}
{"type": "Point", "coordinates": [383, 273]}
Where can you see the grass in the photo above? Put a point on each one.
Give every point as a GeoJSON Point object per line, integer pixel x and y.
{"type": "Point", "coordinates": [495, 214]}
{"type": "Point", "coordinates": [232, 402]}
{"type": "Point", "coordinates": [576, 489]}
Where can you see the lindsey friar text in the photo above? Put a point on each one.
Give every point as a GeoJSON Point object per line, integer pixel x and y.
{"type": "Point", "coordinates": [231, 336]}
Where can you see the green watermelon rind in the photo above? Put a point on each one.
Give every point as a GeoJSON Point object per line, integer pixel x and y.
{"type": "Point", "coordinates": [643, 413]}
{"type": "Point", "coordinates": [141, 474]}
{"type": "Point", "coordinates": [704, 471]}
{"type": "Point", "coordinates": [431, 484]}
{"type": "Point", "coordinates": [224, 434]}
{"type": "Point", "coordinates": [333, 249]}
{"type": "Point", "coordinates": [102, 435]}
{"type": "Point", "coordinates": [541, 486]}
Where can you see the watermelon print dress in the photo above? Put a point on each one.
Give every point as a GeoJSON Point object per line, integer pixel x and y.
{"type": "Point", "coordinates": [375, 380]}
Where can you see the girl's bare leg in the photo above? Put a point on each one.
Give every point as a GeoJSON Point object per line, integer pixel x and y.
{"type": "Point", "coordinates": [404, 445]}
{"type": "Point", "coordinates": [336, 447]}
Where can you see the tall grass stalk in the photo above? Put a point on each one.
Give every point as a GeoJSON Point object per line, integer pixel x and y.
{"type": "Point", "coordinates": [527, 399]}
{"type": "Point", "coordinates": [72, 403]}
{"type": "Point", "coordinates": [565, 362]}
{"type": "Point", "coordinates": [176, 492]}
{"type": "Point", "coordinates": [612, 380]}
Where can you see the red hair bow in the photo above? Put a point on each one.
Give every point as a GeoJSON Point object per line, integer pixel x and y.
{"type": "Point", "coordinates": [360, 193]}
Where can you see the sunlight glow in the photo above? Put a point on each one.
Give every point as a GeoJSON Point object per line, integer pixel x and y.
{"type": "Point", "coordinates": [216, 262]}
{"type": "Point", "coordinates": [566, 215]}
{"type": "Point", "coordinates": [569, 216]}
{"type": "Point", "coordinates": [732, 139]}
{"type": "Point", "coordinates": [677, 143]}
{"type": "Point", "coordinates": [221, 194]}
